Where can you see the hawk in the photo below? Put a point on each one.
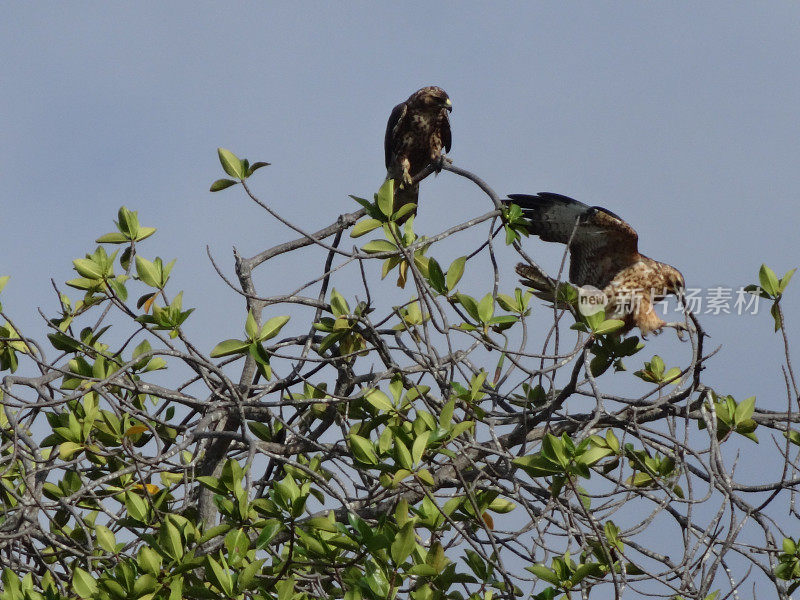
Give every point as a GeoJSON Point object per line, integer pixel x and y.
{"type": "Point", "coordinates": [417, 131]}
{"type": "Point", "coordinates": [604, 254]}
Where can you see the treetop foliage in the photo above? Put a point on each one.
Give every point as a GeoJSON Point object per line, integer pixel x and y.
{"type": "Point", "coordinates": [352, 444]}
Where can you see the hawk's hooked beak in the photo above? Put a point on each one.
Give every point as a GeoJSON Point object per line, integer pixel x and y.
{"type": "Point", "coordinates": [448, 105]}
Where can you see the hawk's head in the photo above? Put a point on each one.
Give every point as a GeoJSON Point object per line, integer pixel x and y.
{"type": "Point", "coordinates": [431, 98]}
{"type": "Point", "coordinates": [667, 281]}
{"type": "Point", "coordinates": [674, 283]}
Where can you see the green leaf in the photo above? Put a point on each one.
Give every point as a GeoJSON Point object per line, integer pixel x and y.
{"type": "Point", "coordinates": [112, 238]}
{"type": "Point", "coordinates": [784, 280]}
{"type": "Point", "coordinates": [612, 441]}
{"type": "Point", "coordinates": [501, 506]}
{"type": "Point", "coordinates": [537, 466]}
{"type": "Point", "coordinates": [268, 532]}
{"type": "Point", "coordinates": [793, 436]}
{"type": "Point", "coordinates": [3, 281]}
{"type": "Point", "coordinates": [436, 276]}
{"type": "Point", "coordinates": [744, 410]}
{"type": "Point", "coordinates": [380, 401]}
{"type": "Point", "coordinates": [376, 246]}
{"type": "Point", "coordinates": [250, 326]}
{"type": "Point", "coordinates": [609, 326]}
{"type": "Point", "coordinates": [775, 311]}
{"type": "Point", "coordinates": [419, 446]}
{"type": "Point", "coordinates": [118, 287]}
{"type": "Point", "coordinates": [219, 576]}
{"type": "Point", "coordinates": [63, 342]}
{"type": "Point", "coordinates": [82, 283]}
{"type": "Point", "coordinates": [261, 356]}
{"type": "Point", "coordinates": [83, 583]}
{"type": "Point", "coordinates": [404, 543]}
{"type": "Point", "coordinates": [403, 211]}
{"type": "Point", "coordinates": [237, 544]}
{"type": "Point", "coordinates": [339, 305]}
{"type": "Point", "coordinates": [145, 232]}
{"type": "Point", "coordinates": [148, 560]}
{"type": "Point", "coordinates": [363, 450]}
{"type": "Point", "coordinates": [469, 304]}
{"type": "Point", "coordinates": [260, 430]}
{"type": "Point", "coordinates": [446, 414]}
{"type": "Point", "coordinates": [403, 455]}
{"type": "Point", "coordinates": [256, 166]}
{"type": "Point", "coordinates": [657, 367]}
{"type": "Point", "coordinates": [553, 448]}
{"type": "Point", "coordinates": [455, 272]}
{"type": "Point", "coordinates": [170, 538]}
{"type": "Point", "coordinates": [486, 308]}
{"type": "Point", "coordinates": [768, 280]}
{"type": "Point", "coordinates": [506, 302]}
{"type": "Point", "coordinates": [136, 507]}
{"type": "Point", "coordinates": [789, 546]}
{"type": "Point", "coordinates": [247, 575]}
{"type": "Point", "coordinates": [385, 197]}
{"type": "Point", "coordinates": [231, 163]}
{"type": "Point", "coordinates": [87, 268]}
{"type": "Point", "coordinates": [460, 428]}
{"type": "Point", "coordinates": [785, 570]}
{"type": "Point", "coordinates": [672, 375]}
{"type": "Point", "coordinates": [641, 480]}
{"type": "Point", "coordinates": [144, 585]}
{"type": "Point", "coordinates": [503, 320]}
{"type": "Point", "coordinates": [219, 185]}
{"type": "Point", "coordinates": [364, 226]}
{"type": "Point", "coordinates": [584, 571]}
{"type": "Point", "coordinates": [68, 449]}
{"type": "Point", "coordinates": [128, 222]}
{"type": "Point", "coordinates": [592, 455]}
{"type": "Point", "coordinates": [595, 320]}
{"type": "Point", "coordinates": [147, 272]}
{"type": "Point", "coordinates": [229, 347]}
{"type": "Point", "coordinates": [272, 328]}
{"type": "Point", "coordinates": [543, 573]}
{"type": "Point", "coordinates": [105, 538]}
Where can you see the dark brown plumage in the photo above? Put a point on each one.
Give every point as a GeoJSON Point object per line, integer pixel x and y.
{"type": "Point", "coordinates": [604, 254]}
{"type": "Point", "coordinates": [417, 131]}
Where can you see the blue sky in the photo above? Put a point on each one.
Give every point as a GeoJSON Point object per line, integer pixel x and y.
{"type": "Point", "coordinates": [681, 117]}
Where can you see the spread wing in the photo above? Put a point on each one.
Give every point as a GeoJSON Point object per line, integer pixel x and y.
{"type": "Point", "coordinates": [601, 243]}
{"type": "Point", "coordinates": [398, 112]}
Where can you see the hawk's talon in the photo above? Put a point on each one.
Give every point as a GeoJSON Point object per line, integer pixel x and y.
{"type": "Point", "coordinates": [439, 162]}
{"type": "Point", "coordinates": [680, 328]}
{"type": "Point", "coordinates": [407, 179]}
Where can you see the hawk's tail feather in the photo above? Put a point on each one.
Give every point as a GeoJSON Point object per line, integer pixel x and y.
{"type": "Point", "coordinates": [406, 194]}
{"type": "Point", "coordinates": [542, 285]}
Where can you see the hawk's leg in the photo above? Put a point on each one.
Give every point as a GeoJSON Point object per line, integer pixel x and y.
{"type": "Point", "coordinates": [405, 179]}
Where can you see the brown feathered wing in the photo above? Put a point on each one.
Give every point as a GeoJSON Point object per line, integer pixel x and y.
{"type": "Point", "coordinates": [600, 242]}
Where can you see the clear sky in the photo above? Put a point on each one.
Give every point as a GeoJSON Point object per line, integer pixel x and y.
{"type": "Point", "coordinates": [680, 116]}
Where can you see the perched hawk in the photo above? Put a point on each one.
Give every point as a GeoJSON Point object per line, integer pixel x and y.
{"type": "Point", "coordinates": [603, 254]}
{"type": "Point", "coordinates": [417, 131]}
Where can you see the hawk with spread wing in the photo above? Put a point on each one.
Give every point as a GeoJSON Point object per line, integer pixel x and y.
{"type": "Point", "coordinates": [604, 254]}
{"type": "Point", "coordinates": [417, 131]}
